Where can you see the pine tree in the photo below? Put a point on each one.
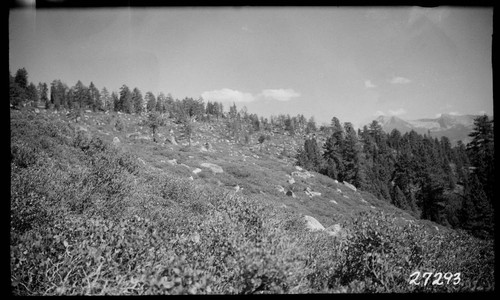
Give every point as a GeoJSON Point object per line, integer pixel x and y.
{"type": "Point", "coordinates": [150, 102]}
{"type": "Point", "coordinates": [94, 97]}
{"type": "Point", "coordinates": [57, 94]}
{"type": "Point", "coordinates": [17, 93]}
{"type": "Point", "coordinates": [137, 101]}
{"type": "Point", "coordinates": [476, 214]}
{"type": "Point", "coordinates": [126, 104]}
{"type": "Point", "coordinates": [105, 98]}
{"type": "Point", "coordinates": [164, 104]}
{"type": "Point", "coordinates": [481, 153]}
{"type": "Point", "coordinates": [21, 79]}
{"type": "Point", "coordinates": [310, 157]}
{"type": "Point", "coordinates": [154, 122]}
{"type": "Point", "coordinates": [43, 93]}
{"type": "Point", "coordinates": [399, 199]}
{"type": "Point", "coordinates": [81, 95]}
{"type": "Point", "coordinates": [116, 102]}
{"type": "Point", "coordinates": [32, 94]}
{"type": "Point", "coordinates": [350, 156]}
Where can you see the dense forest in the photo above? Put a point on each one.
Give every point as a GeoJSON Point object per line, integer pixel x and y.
{"type": "Point", "coordinates": [426, 176]}
{"type": "Point", "coordinates": [449, 184]}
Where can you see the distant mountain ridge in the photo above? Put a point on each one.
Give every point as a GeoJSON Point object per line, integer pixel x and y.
{"type": "Point", "coordinates": [455, 127]}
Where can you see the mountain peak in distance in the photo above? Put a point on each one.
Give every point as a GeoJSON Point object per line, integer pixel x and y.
{"type": "Point", "coordinates": [455, 127]}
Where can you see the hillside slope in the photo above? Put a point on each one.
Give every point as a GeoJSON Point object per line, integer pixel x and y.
{"type": "Point", "coordinates": [99, 208]}
{"type": "Point", "coordinates": [260, 171]}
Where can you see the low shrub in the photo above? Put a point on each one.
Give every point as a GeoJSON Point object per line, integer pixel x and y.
{"type": "Point", "coordinates": [237, 171]}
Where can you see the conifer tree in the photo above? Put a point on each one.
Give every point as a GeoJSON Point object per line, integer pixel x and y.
{"type": "Point", "coordinates": [105, 98]}
{"type": "Point", "coordinates": [32, 94]}
{"type": "Point", "coordinates": [138, 101]}
{"type": "Point", "coordinates": [43, 93]}
{"type": "Point", "coordinates": [164, 104]}
{"type": "Point", "coordinates": [155, 121]}
{"type": "Point", "coordinates": [94, 97]}
{"type": "Point", "coordinates": [116, 101]}
{"type": "Point", "coordinates": [309, 157]}
{"type": "Point", "coordinates": [481, 153]}
{"type": "Point", "coordinates": [150, 102]}
{"type": "Point", "coordinates": [476, 214]}
{"type": "Point", "coordinates": [126, 104]}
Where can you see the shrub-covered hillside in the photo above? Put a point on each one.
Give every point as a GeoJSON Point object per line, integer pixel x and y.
{"type": "Point", "coordinates": [93, 217]}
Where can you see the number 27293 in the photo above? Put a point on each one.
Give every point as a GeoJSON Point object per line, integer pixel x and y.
{"type": "Point", "coordinates": [438, 278]}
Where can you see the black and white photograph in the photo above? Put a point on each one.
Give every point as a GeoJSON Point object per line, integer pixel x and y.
{"type": "Point", "coordinates": [230, 150]}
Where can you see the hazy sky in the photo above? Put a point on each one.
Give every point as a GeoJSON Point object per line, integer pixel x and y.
{"type": "Point", "coordinates": [352, 63]}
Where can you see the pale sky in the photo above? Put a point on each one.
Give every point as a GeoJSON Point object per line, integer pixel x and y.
{"type": "Point", "coordinates": [352, 63]}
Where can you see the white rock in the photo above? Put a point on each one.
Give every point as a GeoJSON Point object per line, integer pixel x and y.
{"type": "Point", "coordinates": [280, 189]}
{"type": "Point", "coordinates": [313, 224]}
{"type": "Point", "coordinates": [333, 201]}
{"type": "Point", "coordinates": [334, 230]}
{"type": "Point", "coordinates": [116, 140]}
{"type": "Point", "coordinates": [298, 168]}
{"type": "Point", "coordinates": [173, 162]}
{"type": "Point", "coordinates": [213, 167]}
{"type": "Point", "coordinates": [339, 191]}
{"type": "Point", "coordinates": [347, 184]}
{"type": "Point", "coordinates": [197, 170]}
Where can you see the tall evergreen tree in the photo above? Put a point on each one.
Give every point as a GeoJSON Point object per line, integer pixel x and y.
{"type": "Point", "coordinates": [43, 93]}
{"type": "Point", "coordinates": [310, 157]}
{"type": "Point", "coordinates": [81, 95]}
{"type": "Point", "coordinates": [117, 105]}
{"type": "Point", "coordinates": [138, 101]}
{"type": "Point", "coordinates": [481, 153]}
{"type": "Point", "coordinates": [17, 93]}
{"type": "Point", "coordinates": [126, 104]}
{"type": "Point", "coordinates": [32, 94]}
{"type": "Point", "coordinates": [21, 78]}
{"type": "Point", "coordinates": [94, 97]}
{"type": "Point", "coordinates": [476, 214]}
{"type": "Point", "coordinates": [105, 98]}
{"type": "Point", "coordinates": [150, 100]}
{"type": "Point", "coordinates": [162, 103]}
